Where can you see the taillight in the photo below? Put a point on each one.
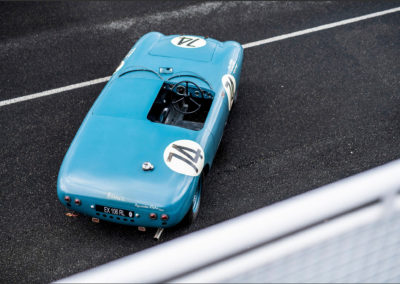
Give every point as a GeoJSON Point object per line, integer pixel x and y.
{"type": "Point", "coordinates": [67, 199]}
{"type": "Point", "coordinates": [164, 217]}
{"type": "Point", "coordinates": [153, 216]}
{"type": "Point", "coordinates": [77, 201]}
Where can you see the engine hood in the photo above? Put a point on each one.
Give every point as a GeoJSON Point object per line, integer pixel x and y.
{"type": "Point", "coordinates": [105, 161]}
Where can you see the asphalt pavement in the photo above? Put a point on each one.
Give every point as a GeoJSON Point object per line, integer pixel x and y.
{"type": "Point", "coordinates": [311, 110]}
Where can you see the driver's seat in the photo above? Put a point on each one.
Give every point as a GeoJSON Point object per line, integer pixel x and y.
{"type": "Point", "coordinates": [171, 116]}
{"type": "Point", "coordinates": [164, 114]}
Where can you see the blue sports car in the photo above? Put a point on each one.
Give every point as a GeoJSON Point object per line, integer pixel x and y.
{"type": "Point", "coordinates": [142, 152]}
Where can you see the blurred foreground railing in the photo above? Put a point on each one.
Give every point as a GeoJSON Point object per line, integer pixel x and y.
{"type": "Point", "coordinates": [348, 231]}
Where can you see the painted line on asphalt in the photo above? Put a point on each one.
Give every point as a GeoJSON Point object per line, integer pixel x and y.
{"type": "Point", "coordinates": [54, 91]}
{"type": "Point", "coordinates": [247, 45]}
{"type": "Point", "coordinates": [320, 28]}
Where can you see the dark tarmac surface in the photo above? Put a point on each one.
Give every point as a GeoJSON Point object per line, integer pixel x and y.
{"type": "Point", "coordinates": [311, 110]}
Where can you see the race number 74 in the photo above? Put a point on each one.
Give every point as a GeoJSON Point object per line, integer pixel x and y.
{"type": "Point", "coordinates": [187, 155]}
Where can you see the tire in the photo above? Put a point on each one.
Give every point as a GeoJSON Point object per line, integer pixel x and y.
{"type": "Point", "coordinates": [235, 98]}
{"type": "Point", "coordinates": [191, 215]}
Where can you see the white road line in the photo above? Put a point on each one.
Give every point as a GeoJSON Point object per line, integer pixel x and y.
{"type": "Point", "coordinates": [247, 45]}
{"type": "Point", "coordinates": [320, 28]}
{"type": "Point", "coordinates": [54, 91]}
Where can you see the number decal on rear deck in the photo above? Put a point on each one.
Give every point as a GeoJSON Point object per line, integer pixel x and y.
{"type": "Point", "coordinates": [184, 157]}
{"type": "Point", "coordinates": [188, 41]}
{"type": "Point", "coordinates": [229, 83]}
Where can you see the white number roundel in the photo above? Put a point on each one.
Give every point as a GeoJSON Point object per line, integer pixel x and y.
{"type": "Point", "coordinates": [188, 41]}
{"type": "Point", "coordinates": [184, 157]}
{"type": "Point", "coordinates": [229, 83]}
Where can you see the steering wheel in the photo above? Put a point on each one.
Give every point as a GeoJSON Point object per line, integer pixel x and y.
{"type": "Point", "coordinates": [183, 100]}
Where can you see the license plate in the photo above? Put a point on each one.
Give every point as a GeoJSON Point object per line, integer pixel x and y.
{"type": "Point", "coordinates": [114, 211]}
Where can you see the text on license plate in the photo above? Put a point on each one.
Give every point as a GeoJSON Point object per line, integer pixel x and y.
{"type": "Point", "coordinates": [114, 211]}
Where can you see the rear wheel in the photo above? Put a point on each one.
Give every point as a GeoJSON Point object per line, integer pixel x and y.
{"type": "Point", "coordinates": [194, 209]}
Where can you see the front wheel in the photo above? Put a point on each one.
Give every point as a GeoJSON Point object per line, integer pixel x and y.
{"type": "Point", "coordinates": [194, 209]}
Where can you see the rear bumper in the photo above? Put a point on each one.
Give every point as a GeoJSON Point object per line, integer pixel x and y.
{"type": "Point", "coordinates": [128, 212]}
{"type": "Point", "coordinates": [121, 212]}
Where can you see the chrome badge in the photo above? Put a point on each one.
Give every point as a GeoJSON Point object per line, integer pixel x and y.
{"type": "Point", "coordinates": [147, 166]}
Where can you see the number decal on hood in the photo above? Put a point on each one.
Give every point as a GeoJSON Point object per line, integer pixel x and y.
{"type": "Point", "coordinates": [188, 41]}
{"type": "Point", "coordinates": [184, 157]}
{"type": "Point", "coordinates": [229, 83]}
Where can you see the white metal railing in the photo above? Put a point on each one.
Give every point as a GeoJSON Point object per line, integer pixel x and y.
{"type": "Point", "coordinates": [348, 231]}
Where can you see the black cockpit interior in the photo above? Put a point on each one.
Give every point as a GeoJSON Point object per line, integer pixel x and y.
{"type": "Point", "coordinates": [183, 104]}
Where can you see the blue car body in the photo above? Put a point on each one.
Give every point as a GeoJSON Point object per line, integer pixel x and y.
{"type": "Point", "coordinates": [102, 174]}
